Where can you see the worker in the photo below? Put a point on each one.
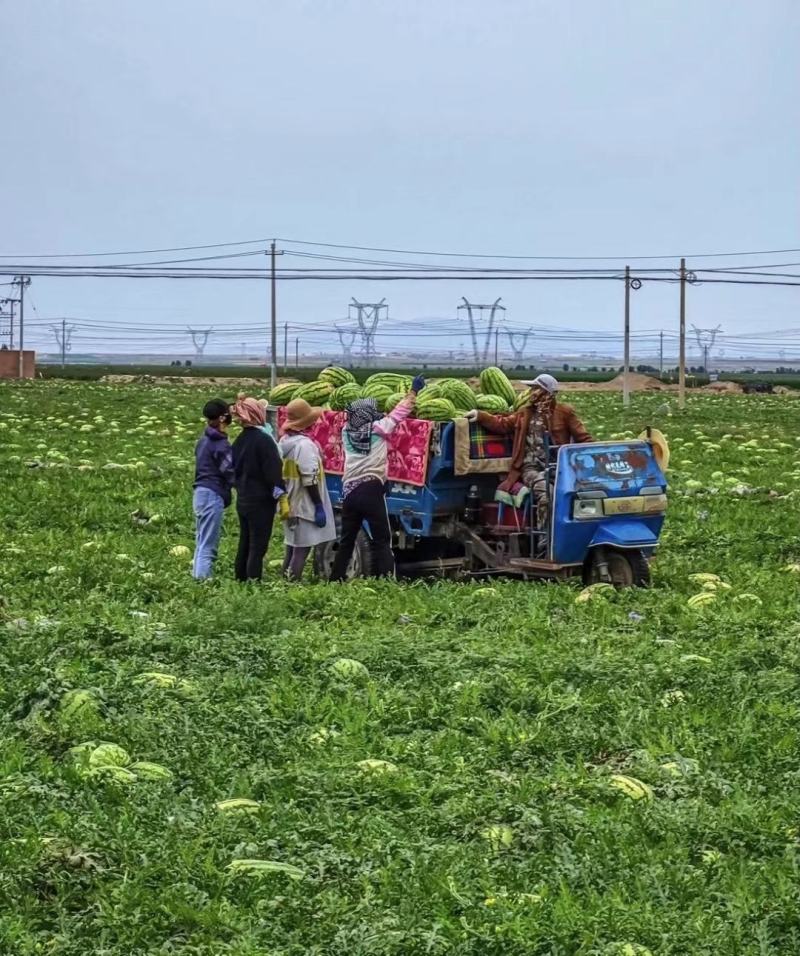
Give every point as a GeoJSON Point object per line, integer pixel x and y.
{"type": "Point", "coordinates": [365, 440]}
{"type": "Point", "coordinates": [541, 415]}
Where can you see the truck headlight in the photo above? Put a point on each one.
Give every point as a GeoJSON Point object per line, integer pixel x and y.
{"type": "Point", "coordinates": [587, 508]}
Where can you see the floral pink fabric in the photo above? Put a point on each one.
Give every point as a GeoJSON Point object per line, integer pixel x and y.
{"type": "Point", "coordinates": [409, 445]}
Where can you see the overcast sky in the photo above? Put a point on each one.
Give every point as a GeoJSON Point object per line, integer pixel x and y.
{"type": "Point", "coordinates": [535, 128]}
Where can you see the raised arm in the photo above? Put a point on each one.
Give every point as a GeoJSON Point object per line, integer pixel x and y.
{"type": "Point", "coordinates": [400, 412]}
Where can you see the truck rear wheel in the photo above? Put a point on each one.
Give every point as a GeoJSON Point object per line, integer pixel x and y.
{"type": "Point", "coordinates": [628, 568]}
{"type": "Point", "coordinates": [360, 564]}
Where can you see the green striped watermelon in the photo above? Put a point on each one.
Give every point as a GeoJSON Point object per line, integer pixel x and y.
{"type": "Point", "coordinates": [459, 393]}
{"type": "Point", "coordinates": [282, 394]}
{"type": "Point", "coordinates": [491, 403]}
{"type": "Point", "coordinates": [494, 381]}
{"type": "Point", "coordinates": [343, 395]}
{"type": "Point", "coordinates": [436, 410]}
{"type": "Point", "coordinates": [315, 393]}
{"type": "Point", "coordinates": [336, 376]}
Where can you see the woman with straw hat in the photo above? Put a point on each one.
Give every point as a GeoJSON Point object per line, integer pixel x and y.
{"type": "Point", "coordinates": [310, 520]}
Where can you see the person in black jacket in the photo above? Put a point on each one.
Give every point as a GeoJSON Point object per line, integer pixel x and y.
{"type": "Point", "coordinates": [258, 481]}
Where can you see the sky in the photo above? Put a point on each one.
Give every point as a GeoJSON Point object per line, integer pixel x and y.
{"type": "Point", "coordinates": [516, 128]}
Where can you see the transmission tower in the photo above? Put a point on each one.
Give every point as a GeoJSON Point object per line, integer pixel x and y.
{"type": "Point", "coordinates": [199, 340]}
{"type": "Point", "coordinates": [368, 314]}
{"type": "Point", "coordinates": [476, 307]}
{"type": "Point", "coordinates": [705, 340]}
{"type": "Point", "coordinates": [346, 344]}
{"type": "Point", "coordinates": [513, 338]}
{"type": "Point", "coordinates": [63, 334]}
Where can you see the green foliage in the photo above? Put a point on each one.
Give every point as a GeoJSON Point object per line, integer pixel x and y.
{"type": "Point", "coordinates": [514, 773]}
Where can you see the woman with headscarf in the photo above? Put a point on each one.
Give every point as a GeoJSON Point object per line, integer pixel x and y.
{"type": "Point", "coordinates": [363, 496]}
{"type": "Point", "coordinates": [258, 483]}
{"type": "Point", "coordinates": [310, 519]}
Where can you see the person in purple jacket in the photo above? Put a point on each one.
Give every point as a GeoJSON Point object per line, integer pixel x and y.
{"type": "Point", "coordinates": [213, 481]}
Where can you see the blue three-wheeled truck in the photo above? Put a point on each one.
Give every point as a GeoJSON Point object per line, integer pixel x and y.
{"type": "Point", "coordinates": [606, 507]}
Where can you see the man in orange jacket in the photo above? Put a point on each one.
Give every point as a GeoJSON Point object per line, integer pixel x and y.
{"type": "Point", "coordinates": [541, 415]}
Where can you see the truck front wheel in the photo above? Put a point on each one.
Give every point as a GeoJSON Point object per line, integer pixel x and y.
{"type": "Point", "coordinates": [626, 568]}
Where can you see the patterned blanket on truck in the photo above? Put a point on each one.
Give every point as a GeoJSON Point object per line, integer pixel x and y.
{"type": "Point", "coordinates": [409, 446]}
{"type": "Point", "coordinates": [479, 452]}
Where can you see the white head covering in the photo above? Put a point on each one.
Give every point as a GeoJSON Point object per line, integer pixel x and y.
{"type": "Point", "coordinates": [547, 382]}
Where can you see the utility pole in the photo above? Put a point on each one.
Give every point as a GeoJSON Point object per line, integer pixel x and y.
{"type": "Point", "coordinates": [285, 347]}
{"type": "Point", "coordinates": [297, 352]}
{"type": "Point", "coordinates": [496, 335]}
{"type": "Point", "coordinates": [273, 370]}
{"type": "Point", "coordinates": [682, 343]}
{"type": "Point", "coordinates": [626, 393]}
{"type": "Point", "coordinates": [661, 354]}
{"type": "Point", "coordinates": [23, 282]}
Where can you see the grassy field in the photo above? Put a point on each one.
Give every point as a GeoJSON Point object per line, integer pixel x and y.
{"type": "Point", "coordinates": [461, 792]}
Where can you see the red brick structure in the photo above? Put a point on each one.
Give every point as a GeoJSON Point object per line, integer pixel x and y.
{"type": "Point", "coordinates": [9, 363]}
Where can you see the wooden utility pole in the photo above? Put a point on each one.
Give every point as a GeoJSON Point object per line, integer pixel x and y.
{"type": "Point", "coordinates": [661, 353]}
{"type": "Point", "coordinates": [496, 334]}
{"type": "Point", "coordinates": [626, 393]}
{"type": "Point", "coordinates": [297, 352]}
{"type": "Point", "coordinates": [273, 371]}
{"type": "Point", "coordinates": [682, 343]}
{"type": "Point", "coordinates": [285, 347]}
{"type": "Point", "coordinates": [23, 282]}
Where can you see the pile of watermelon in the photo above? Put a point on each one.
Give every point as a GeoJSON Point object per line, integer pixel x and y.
{"type": "Point", "coordinates": [440, 401]}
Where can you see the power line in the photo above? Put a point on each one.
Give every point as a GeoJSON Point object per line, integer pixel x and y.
{"type": "Point", "coordinates": [394, 251]}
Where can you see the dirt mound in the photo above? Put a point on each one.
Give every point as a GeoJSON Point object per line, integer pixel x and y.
{"type": "Point", "coordinates": [731, 388]}
{"type": "Point", "coordinates": [636, 383]}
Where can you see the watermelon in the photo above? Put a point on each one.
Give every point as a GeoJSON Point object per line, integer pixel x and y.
{"type": "Point", "coordinates": [343, 395]}
{"type": "Point", "coordinates": [393, 401]}
{"type": "Point", "coordinates": [336, 376]}
{"type": "Point", "coordinates": [495, 382]}
{"type": "Point", "coordinates": [284, 393]}
{"type": "Point", "coordinates": [434, 390]}
{"type": "Point", "coordinates": [459, 393]}
{"type": "Point", "coordinates": [491, 403]}
{"type": "Point", "coordinates": [315, 393]}
{"type": "Point", "coordinates": [377, 391]}
{"type": "Point", "coordinates": [436, 410]}
{"type": "Point", "coordinates": [395, 381]}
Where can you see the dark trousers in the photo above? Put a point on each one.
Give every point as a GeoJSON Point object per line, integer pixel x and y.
{"type": "Point", "coordinates": [365, 503]}
{"type": "Point", "coordinates": [255, 528]}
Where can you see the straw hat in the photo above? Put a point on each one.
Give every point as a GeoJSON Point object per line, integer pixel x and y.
{"type": "Point", "coordinates": [660, 447]}
{"type": "Point", "coordinates": [299, 415]}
